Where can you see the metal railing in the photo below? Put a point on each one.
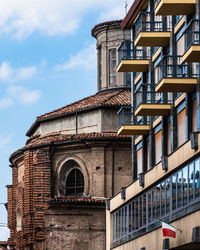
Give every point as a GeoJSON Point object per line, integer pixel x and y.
{"type": "Point", "coordinates": [192, 34]}
{"type": "Point", "coordinates": [146, 22]}
{"type": "Point", "coordinates": [171, 67]}
{"type": "Point", "coordinates": [126, 116]}
{"type": "Point", "coordinates": [127, 51]}
{"type": "Point", "coordinates": [172, 198]}
{"type": "Point", "coordinates": [146, 94]}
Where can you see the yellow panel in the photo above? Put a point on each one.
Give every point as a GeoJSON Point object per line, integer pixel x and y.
{"type": "Point", "coordinates": [153, 109]}
{"type": "Point", "coordinates": [157, 39]}
{"type": "Point", "coordinates": [192, 54]}
{"type": "Point", "coordinates": [134, 130]}
{"type": "Point", "coordinates": [177, 85]}
{"type": "Point", "coordinates": [133, 66]}
{"type": "Point", "coordinates": [175, 7]}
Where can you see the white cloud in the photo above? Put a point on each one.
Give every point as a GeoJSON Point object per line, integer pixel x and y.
{"type": "Point", "coordinates": [85, 59]}
{"type": "Point", "coordinates": [24, 95]}
{"type": "Point", "coordinates": [115, 11]}
{"type": "Point", "coordinates": [4, 140]}
{"type": "Point", "coordinates": [8, 73]}
{"type": "Point", "coordinates": [53, 17]}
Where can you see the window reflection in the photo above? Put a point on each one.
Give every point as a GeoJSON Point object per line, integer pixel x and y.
{"type": "Point", "coordinates": [170, 196]}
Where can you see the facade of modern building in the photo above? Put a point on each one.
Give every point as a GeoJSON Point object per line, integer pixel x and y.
{"type": "Point", "coordinates": [72, 162]}
{"type": "Point", "coordinates": [164, 121]}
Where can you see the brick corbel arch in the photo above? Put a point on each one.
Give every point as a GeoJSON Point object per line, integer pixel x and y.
{"type": "Point", "coordinates": [62, 167]}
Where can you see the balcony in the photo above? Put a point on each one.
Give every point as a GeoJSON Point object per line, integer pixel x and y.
{"type": "Point", "coordinates": [174, 7]}
{"type": "Point", "coordinates": [171, 76]}
{"type": "Point", "coordinates": [151, 33]}
{"type": "Point", "coordinates": [172, 198]}
{"type": "Point", "coordinates": [192, 42]}
{"type": "Point", "coordinates": [130, 124]}
{"type": "Point", "coordinates": [150, 103]}
{"type": "Point", "coordinates": [132, 59]}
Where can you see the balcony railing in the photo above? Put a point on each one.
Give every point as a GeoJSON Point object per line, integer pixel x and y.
{"type": "Point", "coordinates": [147, 22]}
{"type": "Point", "coordinates": [192, 34]}
{"type": "Point", "coordinates": [145, 94]}
{"type": "Point", "coordinates": [171, 67]}
{"type": "Point", "coordinates": [127, 117]}
{"type": "Point", "coordinates": [127, 51]}
{"type": "Point", "coordinates": [174, 197]}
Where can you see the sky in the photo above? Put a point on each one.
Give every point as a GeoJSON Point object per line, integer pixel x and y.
{"type": "Point", "coordinates": [47, 60]}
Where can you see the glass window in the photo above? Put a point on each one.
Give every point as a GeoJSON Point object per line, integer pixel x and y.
{"type": "Point", "coordinates": [75, 182]}
{"type": "Point", "coordinates": [136, 214]}
{"type": "Point", "coordinates": [112, 67]}
{"type": "Point", "coordinates": [179, 188]}
{"type": "Point", "coordinates": [154, 203]}
{"type": "Point", "coordinates": [150, 206]}
{"type": "Point", "coordinates": [133, 215]}
{"type": "Point", "coordinates": [158, 200]}
{"type": "Point", "coordinates": [181, 127]}
{"type": "Point", "coordinates": [139, 160]}
{"type": "Point", "coordinates": [174, 192]}
{"type": "Point", "coordinates": [158, 146]}
{"type": "Point", "coordinates": [130, 217]}
{"type": "Point", "coordinates": [185, 184]}
{"type": "Point", "coordinates": [197, 177]}
{"type": "Point", "coordinates": [191, 181]}
{"type": "Point", "coordinates": [167, 187]}
{"type": "Point", "coordinates": [162, 189]}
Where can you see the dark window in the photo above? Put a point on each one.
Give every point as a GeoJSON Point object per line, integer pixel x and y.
{"type": "Point", "coordinates": [75, 182]}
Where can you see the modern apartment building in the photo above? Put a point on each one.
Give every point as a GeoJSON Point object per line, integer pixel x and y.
{"type": "Point", "coordinates": [164, 121]}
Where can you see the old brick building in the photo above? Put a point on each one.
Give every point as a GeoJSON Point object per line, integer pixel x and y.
{"type": "Point", "coordinates": [72, 161]}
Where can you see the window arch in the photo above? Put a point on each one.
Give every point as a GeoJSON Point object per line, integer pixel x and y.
{"type": "Point", "coordinates": [73, 179]}
{"type": "Point", "coordinates": [74, 182]}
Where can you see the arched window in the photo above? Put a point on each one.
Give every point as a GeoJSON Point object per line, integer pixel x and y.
{"type": "Point", "coordinates": [75, 182]}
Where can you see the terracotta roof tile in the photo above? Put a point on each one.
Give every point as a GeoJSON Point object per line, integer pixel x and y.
{"type": "Point", "coordinates": [58, 138]}
{"type": "Point", "coordinates": [109, 98]}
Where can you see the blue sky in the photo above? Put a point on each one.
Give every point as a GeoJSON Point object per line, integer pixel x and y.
{"type": "Point", "coordinates": [47, 60]}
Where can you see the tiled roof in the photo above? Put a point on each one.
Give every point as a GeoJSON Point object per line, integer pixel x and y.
{"type": "Point", "coordinates": [109, 98]}
{"type": "Point", "coordinates": [79, 199]}
{"type": "Point", "coordinates": [114, 98]}
{"type": "Point", "coordinates": [3, 242]}
{"type": "Point", "coordinates": [38, 140]}
{"type": "Point", "coordinates": [58, 137]}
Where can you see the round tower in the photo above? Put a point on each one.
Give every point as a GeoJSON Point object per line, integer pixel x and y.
{"type": "Point", "coordinates": [109, 36]}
